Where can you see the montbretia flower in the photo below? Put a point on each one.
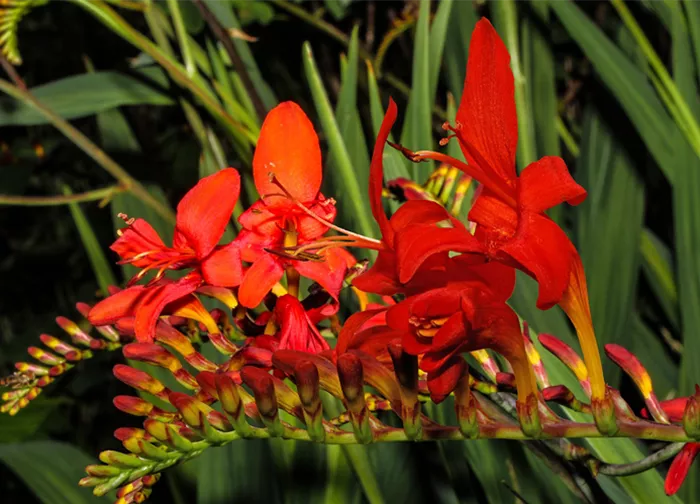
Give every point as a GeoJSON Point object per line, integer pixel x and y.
{"type": "Point", "coordinates": [291, 213]}
{"type": "Point", "coordinates": [407, 256]}
{"type": "Point", "coordinates": [202, 216]}
{"type": "Point", "coordinates": [510, 209]}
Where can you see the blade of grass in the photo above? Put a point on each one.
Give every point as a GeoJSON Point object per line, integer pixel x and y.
{"type": "Point", "coordinates": [417, 129]}
{"type": "Point", "coordinates": [438, 32]}
{"type": "Point", "coordinates": [658, 268]}
{"type": "Point", "coordinates": [98, 261]}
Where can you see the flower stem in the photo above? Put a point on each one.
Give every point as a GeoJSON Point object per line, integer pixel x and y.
{"type": "Point", "coordinates": [103, 195]}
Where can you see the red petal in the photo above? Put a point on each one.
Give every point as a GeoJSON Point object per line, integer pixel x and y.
{"type": "Point", "coordinates": [680, 467]}
{"type": "Point", "coordinates": [308, 228]}
{"type": "Point", "coordinates": [499, 219]}
{"type": "Point", "coordinates": [258, 280]}
{"type": "Point", "coordinates": [382, 278]}
{"type": "Point", "coordinates": [155, 299]}
{"type": "Point", "coordinates": [674, 408]}
{"type": "Point", "coordinates": [288, 147]}
{"type": "Point", "coordinates": [441, 383]}
{"type": "Point", "coordinates": [352, 326]}
{"type": "Point", "coordinates": [486, 116]}
{"type": "Point", "coordinates": [205, 210]}
{"type": "Point", "coordinates": [223, 268]}
{"type": "Point", "coordinates": [498, 279]}
{"type": "Point", "coordinates": [138, 238]}
{"type": "Point", "coordinates": [546, 183]}
{"type": "Point", "coordinates": [545, 252]}
{"type": "Point", "coordinates": [418, 212]}
{"type": "Point", "coordinates": [119, 305]}
{"type": "Point", "coordinates": [329, 273]}
{"type": "Point", "coordinates": [260, 219]}
{"type": "Point", "coordinates": [417, 243]}
{"type": "Point", "coordinates": [376, 176]}
{"type": "Point", "coordinates": [252, 245]}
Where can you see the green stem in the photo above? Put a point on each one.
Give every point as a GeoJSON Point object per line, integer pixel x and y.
{"type": "Point", "coordinates": [181, 32]}
{"type": "Point", "coordinates": [681, 112]}
{"type": "Point", "coordinates": [104, 194]}
{"type": "Point", "coordinates": [392, 35]}
{"type": "Point", "coordinates": [567, 137]}
{"type": "Point", "coordinates": [88, 147]}
{"type": "Point", "coordinates": [656, 458]}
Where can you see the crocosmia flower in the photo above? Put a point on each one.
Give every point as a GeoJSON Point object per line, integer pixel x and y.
{"type": "Point", "coordinates": [202, 216]}
{"type": "Point", "coordinates": [291, 212]}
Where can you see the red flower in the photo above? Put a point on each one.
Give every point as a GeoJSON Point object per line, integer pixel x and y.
{"type": "Point", "coordinates": [407, 259]}
{"type": "Point", "coordinates": [288, 149]}
{"type": "Point", "coordinates": [297, 332]}
{"type": "Point", "coordinates": [510, 209]}
{"type": "Point", "coordinates": [202, 216]}
{"type": "Point", "coordinates": [466, 311]}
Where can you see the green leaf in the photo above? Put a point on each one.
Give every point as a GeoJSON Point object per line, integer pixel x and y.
{"type": "Point", "coordinates": [80, 96]}
{"type": "Point", "coordinates": [608, 231]}
{"type": "Point", "coordinates": [417, 129]}
{"type": "Point", "coordinates": [438, 32]}
{"type": "Point", "coordinates": [98, 261]}
{"type": "Point", "coordinates": [657, 264]}
{"type": "Point", "coordinates": [51, 470]}
{"type": "Point", "coordinates": [628, 83]}
{"type": "Point", "coordinates": [355, 203]}
{"type": "Point", "coordinates": [28, 421]}
{"type": "Point", "coordinates": [459, 33]}
{"type": "Point", "coordinates": [237, 472]}
{"type": "Point", "coordinates": [348, 117]}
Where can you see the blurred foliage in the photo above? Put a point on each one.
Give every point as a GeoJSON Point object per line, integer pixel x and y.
{"type": "Point", "coordinates": [172, 91]}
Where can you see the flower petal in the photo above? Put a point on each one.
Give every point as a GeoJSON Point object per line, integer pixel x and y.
{"type": "Point", "coordinates": [259, 279]}
{"type": "Point", "coordinates": [546, 183]}
{"type": "Point", "coordinates": [544, 252]}
{"type": "Point", "coordinates": [376, 176]}
{"type": "Point", "coordinates": [288, 148]}
{"type": "Point", "coordinates": [308, 228]}
{"type": "Point", "coordinates": [415, 244]}
{"type": "Point", "coordinates": [223, 268]}
{"type": "Point", "coordinates": [382, 278]}
{"type": "Point", "coordinates": [352, 326]}
{"type": "Point", "coordinates": [486, 116]}
{"type": "Point", "coordinates": [136, 239]}
{"type": "Point", "coordinates": [329, 273]}
{"type": "Point", "coordinates": [156, 298]}
{"type": "Point", "coordinates": [119, 305]}
{"type": "Point", "coordinates": [499, 219]}
{"type": "Point", "coordinates": [442, 382]}
{"type": "Point", "coordinates": [680, 467]}
{"type": "Point", "coordinates": [260, 219]}
{"type": "Point", "coordinates": [205, 210]}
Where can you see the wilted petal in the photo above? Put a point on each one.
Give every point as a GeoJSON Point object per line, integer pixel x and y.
{"type": "Point", "coordinates": [205, 210]}
{"type": "Point", "coordinates": [288, 148]}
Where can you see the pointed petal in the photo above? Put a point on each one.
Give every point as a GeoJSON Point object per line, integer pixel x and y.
{"type": "Point", "coordinates": [329, 273]}
{"type": "Point", "coordinates": [546, 183]}
{"type": "Point", "coordinates": [376, 176]}
{"type": "Point", "coordinates": [136, 239]}
{"type": "Point", "coordinates": [288, 148]}
{"type": "Point", "coordinates": [442, 382]}
{"type": "Point", "coordinates": [260, 219]}
{"type": "Point", "coordinates": [119, 305]}
{"type": "Point", "coordinates": [156, 298]}
{"type": "Point", "coordinates": [308, 228]}
{"type": "Point", "coordinates": [486, 116]}
{"type": "Point", "coordinates": [382, 278]}
{"type": "Point", "coordinates": [352, 326]}
{"type": "Point", "coordinates": [680, 467]}
{"type": "Point", "coordinates": [415, 244]}
{"type": "Point", "coordinates": [205, 210]}
{"type": "Point", "coordinates": [258, 280]}
{"type": "Point", "coordinates": [418, 212]}
{"type": "Point", "coordinates": [493, 276]}
{"type": "Point", "coordinates": [544, 252]}
{"type": "Point", "coordinates": [489, 211]}
{"type": "Point", "coordinates": [252, 245]}
{"type": "Point", "coordinates": [223, 268]}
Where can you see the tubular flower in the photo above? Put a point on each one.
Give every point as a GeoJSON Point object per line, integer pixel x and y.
{"type": "Point", "coordinates": [291, 212]}
{"type": "Point", "coordinates": [510, 209]}
{"type": "Point", "coordinates": [202, 216]}
{"type": "Point", "coordinates": [406, 259]}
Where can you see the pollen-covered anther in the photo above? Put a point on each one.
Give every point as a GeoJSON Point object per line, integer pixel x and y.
{"type": "Point", "coordinates": [425, 326]}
